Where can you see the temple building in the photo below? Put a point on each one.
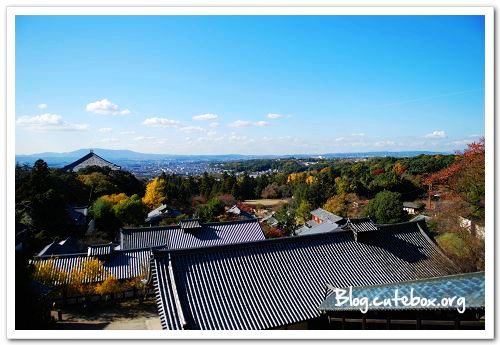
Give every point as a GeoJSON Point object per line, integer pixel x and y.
{"type": "Point", "coordinates": [90, 159]}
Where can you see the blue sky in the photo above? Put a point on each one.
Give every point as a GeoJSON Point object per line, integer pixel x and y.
{"type": "Point", "coordinates": [249, 84]}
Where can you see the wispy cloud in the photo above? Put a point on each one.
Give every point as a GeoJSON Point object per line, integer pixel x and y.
{"type": "Point", "coordinates": [127, 132]}
{"type": "Point", "coordinates": [214, 125]}
{"type": "Point", "coordinates": [385, 143]}
{"type": "Point", "coordinates": [276, 116]}
{"type": "Point", "coordinates": [105, 130]}
{"type": "Point", "coordinates": [358, 134]}
{"type": "Point", "coordinates": [49, 122]}
{"type": "Point", "coordinates": [192, 129]}
{"type": "Point", "coordinates": [240, 124]}
{"type": "Point", "coordinates": [206, 117]}
{"type": "Point", "coordinates": [160, 122]}
{"type": "Point", "coordinates": [42, 106]}
{"type": "Point", "coordinates": [109, 140]}
{"type": "Point", "coordinates": [262, 123]}
{"type": "Point", "coordinates": [436, 135]}
{"type": "Point", "coordinates": [144, 138]}
{"type": "Point", "coordinates": [243, 124]}
{"type": "Point", "coordinates": [106, 107]}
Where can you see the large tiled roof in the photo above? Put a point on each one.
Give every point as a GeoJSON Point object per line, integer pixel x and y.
{"type": "Point", "coordinates": [90, 159]}
{"type": "Point", "coordinates": [67, 246]}
{"type": "Point", "coordinates": [468, 285]}
{"type": "Point", "coordinates": [121, 264]}
{"type": "Point", "coordinates": [324, 215]}
{"type": "Point", "coordinates": [276, 282]}
{"type": "Point", "coordinates": [175, 237]}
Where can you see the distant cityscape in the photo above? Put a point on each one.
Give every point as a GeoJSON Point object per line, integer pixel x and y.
{"type": "Point", "coordinates": [150, 165]}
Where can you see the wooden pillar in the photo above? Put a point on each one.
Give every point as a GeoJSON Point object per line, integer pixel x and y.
{"type": "Point", "coordinates": [388, 323]}
{"type": "Point", "coordinates": [457, 323]}
{"type": "Point", "coordinates": [363, 322]}
{"type": "Point", "coordinates": [419, 323]}
{"type": "Point", "coordinates": [343, 322]}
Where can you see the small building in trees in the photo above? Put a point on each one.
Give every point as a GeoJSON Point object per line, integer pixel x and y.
{"type": "Point", "coordinates": [239, 212]}
{"type": "Point", "coordinates": [322, 221]}
{"type": "Point", "coordinates": [161, 212]}
{"type": "Point", "coordinates": [320, 216]}
{"type": "Point", "coordinates": [78, 215]}
{"type": "Point", "coordinates": [90, 159]}
{"type": "Point", "coordinates": [411, 207]}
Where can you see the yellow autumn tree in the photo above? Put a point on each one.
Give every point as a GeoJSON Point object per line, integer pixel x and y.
{"type": "Point", "coordinates": [108, 286]}
{"type": "Point", "coordinates": [311, 179]}
{"type": "Point", "coordinates": [155, 193]}
{"type": "Point", "coordinates": [296, 177]}
{"type": "Point", "coordinates": [82, 279]}
{"type": "Point", "coordinates": [114, 198]}
{"type": "Point", "coordinates": [46, 273]}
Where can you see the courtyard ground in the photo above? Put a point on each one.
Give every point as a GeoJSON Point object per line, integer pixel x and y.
{"type": "Point", "coordinates": [122, 315]}
{"type": "Point", "coordinates": [266, 202]}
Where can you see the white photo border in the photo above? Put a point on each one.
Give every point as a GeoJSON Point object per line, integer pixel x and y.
{"type": "Point", "coordinates": [488, 12]}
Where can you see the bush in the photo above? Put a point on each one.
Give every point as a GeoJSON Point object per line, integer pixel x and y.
{"type": "Point", "coordinates": [386, 208]}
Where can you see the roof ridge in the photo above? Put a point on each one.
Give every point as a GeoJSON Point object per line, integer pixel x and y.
{"type": "Point", "coordinates": [174, 227]}
{"type": "Point", "coordinates": [232, 246]}
{"type": "Point", "coordinates": [118, 251]}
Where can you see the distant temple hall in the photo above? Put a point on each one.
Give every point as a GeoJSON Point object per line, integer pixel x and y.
{"type": "Point", "coordinates": [88, 160]}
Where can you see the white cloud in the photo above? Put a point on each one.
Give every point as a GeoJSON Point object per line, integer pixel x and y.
{"type": "Point", "coordinates": [436, 135]}
{"type": "Point", "coordinates": [144, 138]}
{"type": "Point", "coordinates": [48, 122]}
{"type": "Point", "coordinates": [42, 106]}
{"type": "Point", "coordinates": [206, 117]}
{"type": "Point", "coordinates": [105, 130]}
{"type": "Point", "coordinates": [214, 125]}
{"type": "Point", "coordinates": [358, 134]}
{"type": "Point", "coordinates": [127, 132]}
{"type": "Point", "coordinates": [262, 123]}
{"type": "Point", "coordinates": [192, 129]}
{"type": "Point", "coordinates": [160, 122]}
{"type": "Point", "coordinates": [240, 124]}
{"type": "Point", "coordinates": [339, 139]}
{"type": "Point", "coordinates": [109, 140]}
{"type": "Point", "coordinates": [385, 143]}
{"type": "Point", "coordinates": [275, 116]}
{"type": "Point", "coordinates": [106, 107]}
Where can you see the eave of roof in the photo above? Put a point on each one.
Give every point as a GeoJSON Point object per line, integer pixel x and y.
{"type": "Point", "coordinates": [467, 285]}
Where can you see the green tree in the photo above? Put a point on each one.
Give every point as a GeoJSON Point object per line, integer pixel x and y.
{"type": "Point", "coordinates": [386, 208]}
{"type": "Point", "coordinates": [105, 218]}
{"type": "Point", "coordinates": [131, 211]}
{"type": "Point", "coordinates": [211, 210]}
{"type": "Point", "coordinates": [302, 214]}
{"type": "Point", "coordinates": [285, 216]}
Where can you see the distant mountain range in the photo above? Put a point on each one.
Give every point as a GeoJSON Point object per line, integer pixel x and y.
{"type": "Point", "coordinates": [57, 159]}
